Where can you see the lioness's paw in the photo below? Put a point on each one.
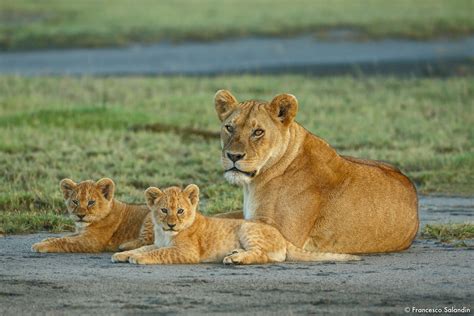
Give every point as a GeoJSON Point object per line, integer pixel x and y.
{"type": "Point", "coordinates": [120, 257]}
{"type": "Point", "coordinates": [344, 257]}
{"type": "Point", "coordinates": [354, 258]}
{"type": "Point", "coordinates": [42, 247]}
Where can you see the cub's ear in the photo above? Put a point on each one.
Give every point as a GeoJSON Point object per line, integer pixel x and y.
{"type": "Point", "coordinates": [192, 191]}
{"type": "Point", "coordinates": [284, 107]}
{"type": "Point", "coordinates": [225, 104]}
{"type": "Point", "coordinates": [152, 195]}
{"type": "Point", "coordinates": [106, 187]}
{"type": "Point", "coordinates": [67, 187]}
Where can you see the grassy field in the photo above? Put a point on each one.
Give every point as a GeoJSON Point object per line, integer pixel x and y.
{"type": "Point", "coordinates": [449, 233]}
{"type": "Point", "coordinates": [26, 24]}
{"type": "Point", "coordinates": [162, 131]}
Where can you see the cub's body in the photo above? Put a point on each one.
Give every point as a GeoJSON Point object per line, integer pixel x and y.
{"type": "Point", "coordinates": [183, 235]}
{"type": "Point", "coordinates": [102, 222]}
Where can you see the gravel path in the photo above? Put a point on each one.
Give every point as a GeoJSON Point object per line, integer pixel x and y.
{"type": "Point", "coordinates": [303, 54]}
{"type": "Point", "coordinates": [428, 275]}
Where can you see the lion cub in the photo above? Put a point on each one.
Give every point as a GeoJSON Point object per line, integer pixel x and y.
{"type": "Point", "coordinates": [102, 222]}
{"type": "Point", "coordinates": [183, 235]}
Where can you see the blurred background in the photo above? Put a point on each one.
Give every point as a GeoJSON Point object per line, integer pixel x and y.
{"type": "Point", "coordinates": [124, 89]}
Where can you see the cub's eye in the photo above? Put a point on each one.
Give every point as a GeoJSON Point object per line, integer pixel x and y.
{"type": "Point", "coordinates": [258, 132]}
{"type": "Point", "coordinates": [75, 202]}
{"type": "Point", "coordinates": [180, 211]}
{"type": "Point", "coordinates": [229, 128]}
{"type": "Point", "coordinates": [90, 203]}
{"type": "Point", "coordinates": [164, 210]}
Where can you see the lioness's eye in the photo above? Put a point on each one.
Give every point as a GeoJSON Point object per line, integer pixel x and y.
{"type": "Point", "coordinates": [75, 202]}
{"type": "Point", "coordinates": [90, 203]}
{"type": "Point", "coordinates": [180, 211]}
{"type": "Point", "coordinates": [164, 210]}
{"type": "Point", "coordinates": [229, 128]}
{"type": "Point", "coordinates": [258, 132]}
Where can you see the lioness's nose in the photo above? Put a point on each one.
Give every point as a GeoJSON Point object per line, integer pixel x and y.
{"type": "Point", "coordinates": [235, 156]}
{"type": "Point", "coordinates": [81, 216]}
{"type": "Point", "coordinates": [171, 225]}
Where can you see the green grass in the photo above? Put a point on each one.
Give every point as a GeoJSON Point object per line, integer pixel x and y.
{"type": "Point", "coordinates": [26, 24]}
{"type": "Point", "coordinates": [162, 131]}
{"type": "Point", "coordinates": [448, 232]}
{"type": "Point", "coordinates": [33, 221]}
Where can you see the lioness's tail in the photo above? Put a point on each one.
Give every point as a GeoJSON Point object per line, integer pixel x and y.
{"type": "Point", "coordinates": [294, 253]}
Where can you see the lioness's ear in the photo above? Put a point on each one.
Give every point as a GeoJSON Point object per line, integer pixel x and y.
{"type": "Point", "coordinates": [192, 191]}
{"type": "Point", "coordinates": [225, 103]}
{"type": "Point", "coordinates": [152, 194]}
{"type": "Point", "coordinates": [67, 187]}
{"type": "Point", "coordinates": [106, 187]}
{"type": "Point", "coordinates": [284, 106]}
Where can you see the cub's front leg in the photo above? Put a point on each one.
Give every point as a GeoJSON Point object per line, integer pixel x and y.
{"type": "Point", "coordinates": [125, 255]}
{"type": "Point", "coordinates": [171, 255]}
{"type": "Point", "coordinates": [53, 238]}
{"type": "Point", "coordinates": [147, 236]}
{"type": "Point", "coordinates": [67, 244]}
{"type": "Point", "coordinates": [131, 245]}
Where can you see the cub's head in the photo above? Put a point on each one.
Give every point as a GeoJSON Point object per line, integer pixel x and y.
{"type": "Point", "coordinates": [173, 209]}
{"type": "Point", "coordinates": [88, 201]}
{"type": "Point", "coordinates": [254, 134]}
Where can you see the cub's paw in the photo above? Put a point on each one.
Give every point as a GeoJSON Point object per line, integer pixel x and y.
{"type": "Point", "coordinates": [42, 247]}
{"type": "Point", "coordinates": [120, 257]}
{"type": "Point", "coordinates": [235, 258]}
{"type": "Point", "coordinates": [139, 259]}
{"type": "Point", "coordinates": [233, 252]}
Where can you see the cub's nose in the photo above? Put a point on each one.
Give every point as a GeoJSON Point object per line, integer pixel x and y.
{"type": "Point", "coordinates": [171, 225]}
{"type": "Point", "coordinates": [235, 156]}
{"type": "Point", "coordinates": [80, 216]}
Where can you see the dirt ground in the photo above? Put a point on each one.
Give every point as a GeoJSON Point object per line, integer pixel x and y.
{"type": "Point", "coordinates": [428, 275]}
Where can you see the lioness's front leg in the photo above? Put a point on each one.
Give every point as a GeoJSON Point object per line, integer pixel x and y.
{"type": "Point", "coordinates": [124, 256]}
{"type": "Point", "coordinates": [171, 255]}
{"type": "Point", "coordinates": [68, 244]}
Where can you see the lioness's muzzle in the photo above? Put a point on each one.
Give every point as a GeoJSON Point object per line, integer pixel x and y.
{"type": "Point", "coordinates": [249, 174]}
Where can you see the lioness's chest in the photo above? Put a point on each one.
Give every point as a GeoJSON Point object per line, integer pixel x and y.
{"type": "Point", "coordinates": [261, 206]}
{"type": "Point", "coordinates": [249, 209]}
{"type": "Point", "coordinates": [250, 203]}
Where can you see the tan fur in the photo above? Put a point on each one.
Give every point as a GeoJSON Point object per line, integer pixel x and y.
{"type": "Point", "coordinates": [297, 182]}
{"type": "Point", "coordinates": [107, 222]}
{"type": "Point", "coordinates": [190, 237]}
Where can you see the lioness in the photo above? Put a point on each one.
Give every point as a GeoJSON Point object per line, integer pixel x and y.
{"type": "Point", "coordinates": [102, 222]}
{"type": "Point", "coordinates": [294, 180]}
{"type": "Point", "coordinates": [183, 235]}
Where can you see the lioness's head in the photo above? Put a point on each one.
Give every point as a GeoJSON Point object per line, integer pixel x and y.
{"type": "Point", "coordinates": [88, 201]}
{"type": "Point", "coordinates": [173, 209]}
{"type": "Point", "coordinates": [254, 134]}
